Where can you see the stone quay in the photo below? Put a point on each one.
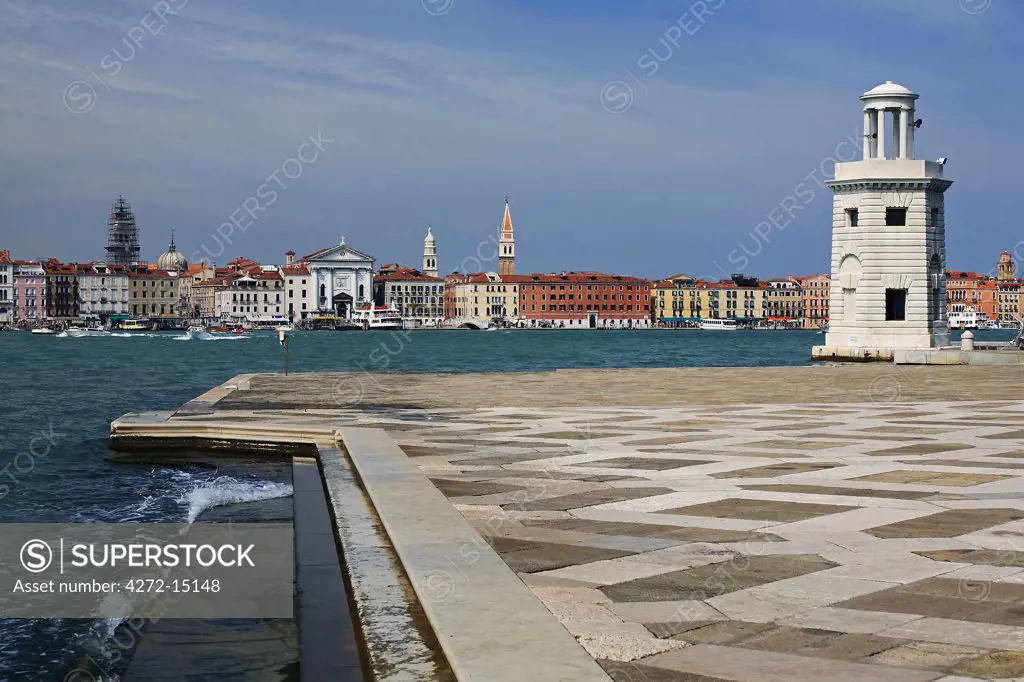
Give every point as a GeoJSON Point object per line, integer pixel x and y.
{"type": "Point", "coordinates": [842, 522]}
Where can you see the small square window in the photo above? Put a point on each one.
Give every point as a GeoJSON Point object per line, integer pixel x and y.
{"type": "Point", "coordinates": [852, 216]}
{"type": "Point", "coordinates": [895, 217]}
{"type": "Point", "coordinates": [895, 305]}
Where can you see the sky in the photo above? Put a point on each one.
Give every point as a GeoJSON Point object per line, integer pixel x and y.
{"type": "Point", "coordinates": [641, 137]}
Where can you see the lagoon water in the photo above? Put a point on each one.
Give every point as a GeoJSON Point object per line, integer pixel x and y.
{"type": "Point", "coordinates": [58, 396]}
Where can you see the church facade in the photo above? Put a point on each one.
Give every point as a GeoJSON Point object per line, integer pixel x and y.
{"type": "Point", "coordinates": [341, 279]}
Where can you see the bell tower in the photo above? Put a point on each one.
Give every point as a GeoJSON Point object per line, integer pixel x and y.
{"type": "Point", "coordinates": [430, 254]}
{"type": "Point", "coordinates": [506, 245]}
{"type": "Point", "coordinates": [888, 288]}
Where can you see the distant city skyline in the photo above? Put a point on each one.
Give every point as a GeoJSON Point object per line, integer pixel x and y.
{"type": "Point", "coordinates": [634, 137]}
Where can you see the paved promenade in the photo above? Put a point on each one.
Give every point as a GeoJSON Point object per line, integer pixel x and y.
{"type": "Point", "coordinates": [852, 523]}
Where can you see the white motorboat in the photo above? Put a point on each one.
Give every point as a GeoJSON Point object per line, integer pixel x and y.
{"type": "Point", "coordinates": [43, 330]}
{"type": "Point", "coordinates": [719, 325]}
{"type": "Point", "coordinates": [134, 326]}
{"type": "Point", "coordinates": [377, 317]}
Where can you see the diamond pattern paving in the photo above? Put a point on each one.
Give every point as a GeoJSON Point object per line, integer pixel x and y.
{"type": "Point", "coordinates": [863, 556]}
{"type": "Point", "coordinates": [715, 579]}
{"type": "Point", "coordinates": [760, 510]}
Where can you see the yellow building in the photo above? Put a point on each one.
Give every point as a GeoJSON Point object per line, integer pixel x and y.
{"type": "Point", "coordinates": [485, 295]}
{"type": "Point", "coordinates": [682, 301]}
{"type": "Point", "coordinates": [154, 294]}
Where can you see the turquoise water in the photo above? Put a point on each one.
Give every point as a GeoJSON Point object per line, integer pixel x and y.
{"type": "Point", "coordinates": [58, 396]}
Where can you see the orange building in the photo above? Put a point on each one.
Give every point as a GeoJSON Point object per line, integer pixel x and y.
{"type": "Point", "coordinates": [966, 289]}
{"type": "Point", "coordinates": [584, 300]}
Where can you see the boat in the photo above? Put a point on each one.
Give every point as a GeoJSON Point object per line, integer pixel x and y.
{"type": "Point", "coordinates": [134, 326]}
{"type": "Point", "coordinates": [286, 328]}
{"type": "Point", "coordinates": [719, 325]}
{"type": "Point", "coordinates": [43, 330]}
{"type": "Point", "coordinates": [377, 317]}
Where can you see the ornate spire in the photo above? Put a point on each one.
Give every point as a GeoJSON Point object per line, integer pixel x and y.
{"type": "Point", "coordinates": [506, 244]}
{"type": "Point", "coordinates": [171, 246]}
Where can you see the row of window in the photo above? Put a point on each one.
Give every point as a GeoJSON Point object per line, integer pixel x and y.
{"type": "Point", "coordinates": [894, 217]}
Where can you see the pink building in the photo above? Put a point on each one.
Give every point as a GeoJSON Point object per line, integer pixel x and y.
{"type": "Point", "coordinates": [816, 290]}
{"type": "Point", "coordinates": [29, 291]}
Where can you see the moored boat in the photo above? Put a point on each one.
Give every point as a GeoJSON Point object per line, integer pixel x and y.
{"type": "Point", "coordinates": [43, 330]}
{"type": "Point", "coordinates": [719, 325]}
{"type": "Point", "coordinates": [374, 317]}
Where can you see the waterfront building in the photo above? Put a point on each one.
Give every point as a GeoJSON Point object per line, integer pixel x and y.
{"type": "Point", "coordinates": [988, 299]}
{"type": "Point", "coordinates": [103, 290]}
{"type": "Point", "coordinates": [962, 290]}
{"type": "Point", "coordinates": [6, 288]}
{"type": "Point", "coordinates": [29, 301]}
{"type": "Point", "coordinates": [270, 302]}
{"type": "Point", "coordinates": [299, 290]}
{"type": "Point", "coordinates": [418, 296]}
{"type": "Point", "coordinates": [203, 297]}
{"type": "Point", "coordinates": [172, 260]}
{"type": "Point", "coordinates": [430, 254]}
{"type": "Point", "coordinates": [583, 300]}
{"type": "Point", "coordinates": [62, 297]}
{"type": "Point", "coordinates": [482, 296]}
{"type": "Point", "coordinates": [785, 302]}
{"type": "Point", "coordinates": [341, 279]}
{"type": "Point", "coordinates": [122, 235]}
{"type": "Point", "coordinates": [194, 274]}
{"type": "Point", "coordinates": [155, 295]}
{"type": "Point", "coordinates": [506, 244]}
{"type": "Point", "coordinates": [815, 292]}
{"type": "Point", "coordinates": [888, 238]}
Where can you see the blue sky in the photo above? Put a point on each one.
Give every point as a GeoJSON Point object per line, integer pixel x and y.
{"type": "Point", "coordinates": [431, 111]}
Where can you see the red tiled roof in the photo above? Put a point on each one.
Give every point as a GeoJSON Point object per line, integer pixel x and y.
{"type": "Point", "coordinates": [297, 269]}
{"type": "Point", "coordinates": [267, 275]}
{"type": "Point", "coordinates": [586, 277]}
{"type": "Point", "coordinates": [405, 275]}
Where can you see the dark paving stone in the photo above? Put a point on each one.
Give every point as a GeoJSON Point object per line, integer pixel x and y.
{"type": "Point", "coordinates": [723, 632]}
{"type": "Point", "coordinates": [968, 600]}
{"type": "Point", "coordinates": [672, 628]}
{"type": "Point", "coordinates": [987, 557]}
{"type": "Point", "coordinates": [531, 557]}
{"type": "Point", "coordinates": [798, 444]}
{"type": "Point", "coordinates": [1006, 435]}
{"type": "Point", "coordinates": [941, 478]}
{"type": "Point", "coordinates": [919, 449]}
{"type": "Point", "coordinates": [500, 460]}
{"type": "Point", "coordinates": [758, 510]}
{"type": "Point", "coordinates": [422, 451]}
{"type": "Point", "coordinates": [705, 582]}
{"type": "Point", "coordinates": [582, 434]}
{"type": "Point", "coordinates": [947, 524]}
{"type": "Point", "coordinates": [591, 498]}
{"type": "Point", "coordinates": [966, 463]}
{"type": "Point", "coordinates": [471, 489]}
{"type": "Point", "coordinates": [819, 643]}
{"type": "Point", "coordinates": [650, 530]}
{"type": "Point", "coordinates": [997, 664]}
{"type": "Point", "coordinates": [645, 463]}
{"type": "Point", "coordinates": [830, 490]}
{"type": "Point", "coordinates": [670, 440]}
{"type": "Point", "coordinates": [781, 469]}
{"type": "Point", "coordinates": [635, 672]}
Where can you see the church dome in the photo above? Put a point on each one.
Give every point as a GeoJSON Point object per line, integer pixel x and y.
{"type": "Point", "coordinates": [171, 259]}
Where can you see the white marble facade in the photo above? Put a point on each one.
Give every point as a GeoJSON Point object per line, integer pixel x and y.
{"type": "Point", "coordinates": [888, 237]}
{"type": "Point", "coordinates": [342, 278]}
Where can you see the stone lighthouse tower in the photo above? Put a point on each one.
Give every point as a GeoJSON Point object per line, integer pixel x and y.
{"type": "Point", "coordinates": [888, 288]}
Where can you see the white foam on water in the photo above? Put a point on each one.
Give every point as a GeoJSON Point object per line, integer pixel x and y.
{"type": "Point", "coordinates": [225, 490]}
